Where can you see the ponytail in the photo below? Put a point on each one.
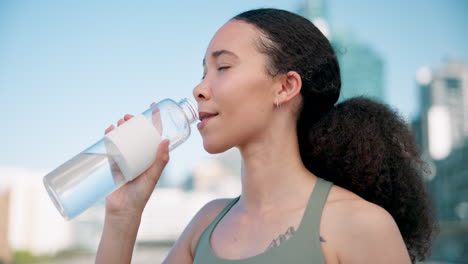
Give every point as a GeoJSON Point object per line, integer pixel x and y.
{"type": "Point", "coordinates": [367, 148]}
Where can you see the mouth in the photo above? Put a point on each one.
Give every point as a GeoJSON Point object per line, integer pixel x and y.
{"type": "Point", "coordinates": [204, 118]}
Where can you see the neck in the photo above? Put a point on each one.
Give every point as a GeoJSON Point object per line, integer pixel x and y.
{"type": "Point", "coordinates": [273, 175]}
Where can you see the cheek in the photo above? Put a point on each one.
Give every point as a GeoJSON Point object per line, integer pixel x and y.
{"type": "Point", "coordinates": [242, 89]}
{"type": "Point", "coordinates": [253, 118]}
{"type": "Point", "coordinates": [244, 102]}
{"type": "Point", "coordinates": [249, 103]}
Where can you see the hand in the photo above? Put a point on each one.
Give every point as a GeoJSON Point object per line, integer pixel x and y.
{"type": "Point", "coordinates": [130, 199]}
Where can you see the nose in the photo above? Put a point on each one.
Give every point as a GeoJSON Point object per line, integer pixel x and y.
{"type": "Point", "coordinates": [201, 92]}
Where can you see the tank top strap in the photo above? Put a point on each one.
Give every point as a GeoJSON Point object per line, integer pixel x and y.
{"type": "Point", "coordinates": [204, 240]}
{"type": "Point", "coordinates": [310, 224]}
{"type": "Point", "coordinates": [224, 212]}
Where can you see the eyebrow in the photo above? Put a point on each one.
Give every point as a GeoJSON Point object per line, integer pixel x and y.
{"type": "Point", "coordinates": [218, 53]}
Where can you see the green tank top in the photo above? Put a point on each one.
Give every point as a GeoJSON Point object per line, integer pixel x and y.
{"type": "Point", "coordinates": [302, 247]}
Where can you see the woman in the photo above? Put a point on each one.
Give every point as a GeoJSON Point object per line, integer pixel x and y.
{"type": "Point", "coordinates": [320, 183]}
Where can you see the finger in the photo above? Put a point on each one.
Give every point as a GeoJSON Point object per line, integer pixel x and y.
{"type": "Point", "coordinates": [152, 104]}
{"type": "Point", "coordinates": [109, 129]}
{"type": "Point", "coordinates": [127, 117]}
{"type": "Point", "coordinates": [120, 122]}
{"type": "Point", "coordinates": [162, 158]}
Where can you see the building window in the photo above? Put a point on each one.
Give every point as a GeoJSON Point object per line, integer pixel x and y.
{"type": "Point", "coordinates": [452, 83]}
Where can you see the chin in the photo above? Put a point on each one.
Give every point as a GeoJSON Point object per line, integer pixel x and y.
{"type": "Point", "coordinates": [215, 148]}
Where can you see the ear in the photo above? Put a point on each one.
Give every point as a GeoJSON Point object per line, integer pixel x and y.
{"type": "Point", "coordinates": [290, 86]}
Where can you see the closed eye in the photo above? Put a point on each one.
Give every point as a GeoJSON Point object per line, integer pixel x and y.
{"type": "Point", "coordinates": [222, 68]}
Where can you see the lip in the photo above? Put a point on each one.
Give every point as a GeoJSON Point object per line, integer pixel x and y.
{"type": "Point", "coordinates": [204, 118]}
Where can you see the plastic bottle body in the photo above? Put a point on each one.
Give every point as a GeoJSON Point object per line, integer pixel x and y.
{"type": "Point", "coordinates": [118, 157]}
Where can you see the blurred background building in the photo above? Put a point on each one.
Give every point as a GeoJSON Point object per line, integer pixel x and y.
{"type": "Point", "coordinates": [444, 108]}
{"type": "Point", "coordinates": [5, 250]}
{"type": "Point", "coordinates": [442, 132]}
{"type": "Point", "coordinates": [362, 68]}
{"type": "Point", "coordinates": [29, 222]}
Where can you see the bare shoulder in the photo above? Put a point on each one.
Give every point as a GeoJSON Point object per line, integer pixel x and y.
{"type": "Point", "coordinates": [351, 224]}
{"type": "Point", "coordinates": [358, 215]}
{"type": "Point", "coordinates": [204, 217]}
{"type": "Point", "coordinates": [184, 248]}
{"type": "Point", "coordinates": [343, 202]}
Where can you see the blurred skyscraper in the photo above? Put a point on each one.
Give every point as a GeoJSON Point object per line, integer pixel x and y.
{"type": "Point", "coordinates": [442, 135]}
{"type": "Point", "coordinates": [362, 68]}
{"type": "Point", "coordinates": [444, 108]}
{"type": "Point", "coordinates": [314, 9]}
{"type": "Point", "coordinates": [441, 132]}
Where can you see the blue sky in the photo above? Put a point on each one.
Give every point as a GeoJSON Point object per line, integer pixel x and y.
{"type": "Point", "coordinates": [68, 69]}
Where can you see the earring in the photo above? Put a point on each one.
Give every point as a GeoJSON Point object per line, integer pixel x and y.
{"type": "Point", "coordinates": [278, 106]}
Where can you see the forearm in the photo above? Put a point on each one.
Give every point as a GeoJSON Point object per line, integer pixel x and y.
{"type": "Point", "coordinates": [118, 239]}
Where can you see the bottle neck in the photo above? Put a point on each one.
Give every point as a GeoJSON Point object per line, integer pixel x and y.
{"type": "Point", "coordinates": [190, 110]}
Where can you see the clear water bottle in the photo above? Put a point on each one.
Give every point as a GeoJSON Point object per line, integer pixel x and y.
{"type": "Point", "coordinates": [119, 157]}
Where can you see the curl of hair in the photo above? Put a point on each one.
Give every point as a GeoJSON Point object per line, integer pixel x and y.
{"type": "Point", "coordinates": [367, 148]}
{"type": "Point", "coordinates": [361, 145]}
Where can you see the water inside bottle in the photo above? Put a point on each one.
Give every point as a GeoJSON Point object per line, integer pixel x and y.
{"type": "Point", "coordinates": [82, 181]}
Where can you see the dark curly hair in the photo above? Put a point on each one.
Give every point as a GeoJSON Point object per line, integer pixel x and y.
{"type": "Point", "coordinates": [361, 145]}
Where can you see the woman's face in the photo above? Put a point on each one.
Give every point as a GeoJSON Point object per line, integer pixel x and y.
{"type": "Point", "coordinates": [236, 96]}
